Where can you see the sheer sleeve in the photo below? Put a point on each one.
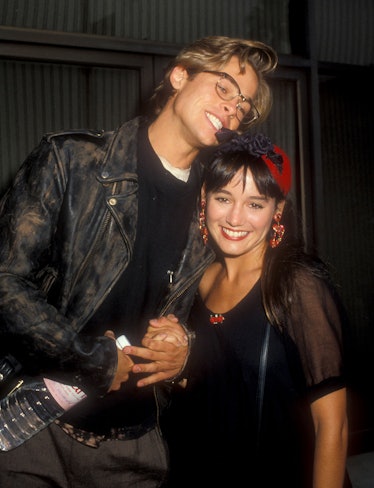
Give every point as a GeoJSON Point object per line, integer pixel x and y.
{"type": "Point", "coordinates": [315, 326]}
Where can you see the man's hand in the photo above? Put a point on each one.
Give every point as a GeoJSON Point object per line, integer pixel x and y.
{"type": "Point", "coordinates": [165, 346]}
{"type": "Point", "coordinates": [124, 366]}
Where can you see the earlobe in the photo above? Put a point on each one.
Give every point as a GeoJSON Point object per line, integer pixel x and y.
{"type": "Point", "coordinates": [280, 208]}
{"type": "Point", "coordinates": [277, 215]}
{"type": "Point", "coordinates": [177, 77]}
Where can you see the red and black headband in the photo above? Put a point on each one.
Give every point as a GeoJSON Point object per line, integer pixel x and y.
{"type": "Point", "coordinates": [261, 146]}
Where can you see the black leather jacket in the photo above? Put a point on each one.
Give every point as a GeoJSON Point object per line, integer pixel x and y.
{"type": "Point", "coordinates": [67, 230]}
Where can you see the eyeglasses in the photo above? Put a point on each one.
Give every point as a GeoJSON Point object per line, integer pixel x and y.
{"type": "Point", "coordinates": [228, 89]}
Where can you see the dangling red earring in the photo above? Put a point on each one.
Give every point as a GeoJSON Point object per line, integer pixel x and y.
{"type": "Point", "coordinates": [278, 231]}
{"type": "Point", "coordinates": [202, 222]}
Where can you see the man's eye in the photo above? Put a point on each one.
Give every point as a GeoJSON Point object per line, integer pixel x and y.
{"type": "Point", "coordinates": [241, 110]}
{"type": "Point", "coordinates": [222, 89]}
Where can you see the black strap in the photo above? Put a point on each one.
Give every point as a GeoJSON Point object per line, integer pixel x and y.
{"type": "Point", "coordinates": [261, 379]}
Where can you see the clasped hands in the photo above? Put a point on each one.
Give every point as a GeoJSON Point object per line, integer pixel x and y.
{"type": "Point", "coordinates": [165, 347]}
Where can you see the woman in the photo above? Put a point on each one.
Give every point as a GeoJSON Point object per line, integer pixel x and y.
{"type": "Point", "coordinates": [264, 405]}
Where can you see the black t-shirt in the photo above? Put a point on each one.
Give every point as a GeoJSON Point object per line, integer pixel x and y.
{"type": "Point", "coordinates": [165, 209]}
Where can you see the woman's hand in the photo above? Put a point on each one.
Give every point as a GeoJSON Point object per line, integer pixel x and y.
{"type": "Point", "coordinates": [165, 329]}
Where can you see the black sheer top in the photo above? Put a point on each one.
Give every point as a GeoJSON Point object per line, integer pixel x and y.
{"type": "Point", "coordinates": [217, 413]}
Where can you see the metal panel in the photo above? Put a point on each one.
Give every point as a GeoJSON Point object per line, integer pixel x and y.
{"type": "Point", "coordinates": [173, 21]}
{"type": "Point", "coordinates": [39, 98]}
{"type": "Point", "coordinates": [345, 31]}
{"type": "Point", "coordinates": [344, 28]}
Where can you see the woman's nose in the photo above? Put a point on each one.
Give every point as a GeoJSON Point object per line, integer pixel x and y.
{"type": "Point", "coordinates": [234, 217]}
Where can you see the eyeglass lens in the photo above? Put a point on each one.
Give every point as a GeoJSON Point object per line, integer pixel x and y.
{"type": "Point", "coordinates": [227, 90]}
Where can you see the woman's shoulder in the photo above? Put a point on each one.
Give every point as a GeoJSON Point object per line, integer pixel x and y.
{"type": "Point", "coordinates": [301, 264]}
{"type": "Point", "coordinates": [296, 271]}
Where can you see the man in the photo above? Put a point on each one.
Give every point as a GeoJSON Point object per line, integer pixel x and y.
{"type": "Point", "coordinates": [100, 233]}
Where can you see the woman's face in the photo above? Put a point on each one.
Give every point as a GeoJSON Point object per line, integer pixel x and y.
{"type": "Point", "coordinates": [239, 219]}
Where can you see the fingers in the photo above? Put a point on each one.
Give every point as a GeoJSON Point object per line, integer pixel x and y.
{"type": "Point", "coordinates": [162, 365]}
{"type": "Point", "coordinates": [125, 365]}
{"type": "Point", "coordinates": [154, 378]}
{"type": "Point", "coordinates": [166, 329]}
{"type": "Point", "coordinates": [150, 354]}
{"type": "Point", "coordinates": [164, 320]}
{"type": "Point", "coordinates": [110, 333]}
{"type": "Point", "coordinates": [167, 369]}
{"type": "Point", "coordinates": [165, 351]}
{"type": "Point", "coordinates": [155, 349]}
{"type": "Point", "coordinates": [153, 341]}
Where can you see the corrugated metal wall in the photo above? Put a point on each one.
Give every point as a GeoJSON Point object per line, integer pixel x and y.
{"type": "Point", "coordinates": [345, 31]}
{"type": "Point", "coordinates": [38, 98]}
{"type": "Point", "coordinates": [175, 21]}
{"type": "Point", "coordinates": [344, 28]}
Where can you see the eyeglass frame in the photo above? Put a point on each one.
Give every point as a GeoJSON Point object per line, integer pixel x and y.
{"type": "Point", "coordinates": [253, 108]}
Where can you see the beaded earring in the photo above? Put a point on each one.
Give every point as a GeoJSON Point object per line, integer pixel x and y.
{"type": "Point", "coordinates": [278, 231]}
{"type": "Point", "coordinates": [202, 222]}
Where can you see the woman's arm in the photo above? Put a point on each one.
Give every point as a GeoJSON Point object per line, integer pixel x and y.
{"type": "Point", "coordinates": [331, 429]}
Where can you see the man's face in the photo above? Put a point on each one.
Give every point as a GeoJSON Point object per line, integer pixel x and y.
{"type": "Point", "coordinates": [201, 112]}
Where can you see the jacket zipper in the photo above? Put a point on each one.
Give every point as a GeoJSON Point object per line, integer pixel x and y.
{"type": "Point", "coordinates": [178, 293]}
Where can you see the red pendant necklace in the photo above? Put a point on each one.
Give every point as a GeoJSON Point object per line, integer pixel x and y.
{"type": "Point", "coordinates": [216, 318]}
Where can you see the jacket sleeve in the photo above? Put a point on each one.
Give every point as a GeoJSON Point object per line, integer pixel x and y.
{"type": "Point", "coordinates": [41, 338]}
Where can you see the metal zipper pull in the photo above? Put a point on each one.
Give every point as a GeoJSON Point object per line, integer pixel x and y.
{"type": "Point", "coordinates": [170, 273]}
